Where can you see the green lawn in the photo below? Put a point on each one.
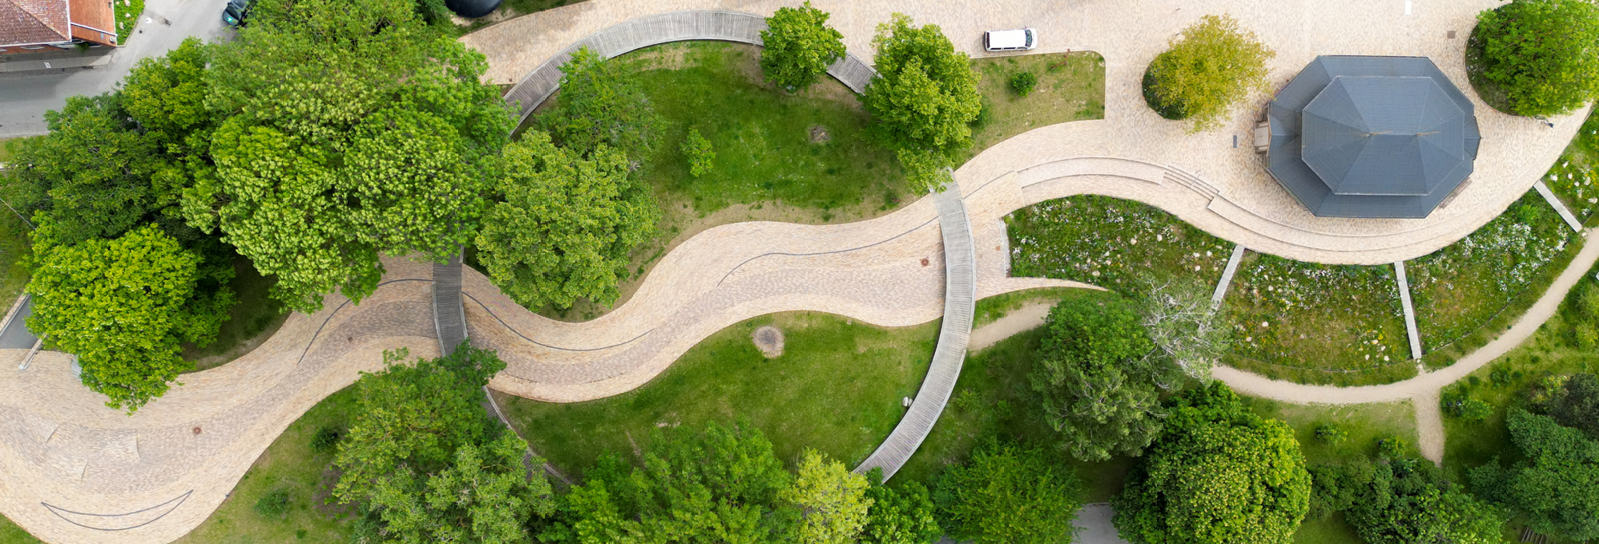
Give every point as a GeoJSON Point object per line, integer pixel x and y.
{"type": "Point", "coordinates": [1111, 243]}
{"type": "Point", "coordinates": [837, 388]}
{"type": "Point", "coordinates": [288, 464]}
{"type": "Point", "coordinates": [1071, 87]}
{"type": "Point", "coordinates": [1317, 323]}
{"type": "Point", "coordinates": [10, 533]}
{"type": "Point", "coordinates": [1469, 292]}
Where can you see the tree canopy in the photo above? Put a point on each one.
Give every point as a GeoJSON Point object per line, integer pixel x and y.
{"type": "Point", "coordinates": [833, 500]}
{"type": "Point", "coordinates": [1537, 56]}
{"type": "Point", "coordinates": [1576, 404]}
{"type": "Point", "coordinates": [351, 130]}
{"type": "Point", "coordinates": [425, 463]}
{"type": "Point", "coordinates": [924, 98]}
{"type": "Point", "coordinates": [1406, 500]}
{"type": "Point", "coordinates": [1009, 494]}
{"type": "Point", "coordinates": [601, 103]}
{"type": "Point", "coordinates": [799, 46]}
{"type": "Point", "coordinates": [718, 485]}
{"type": "Point", "coordinates": [1211, 66]}
{"type": "Point", "coordinates": [1219, 474]}
{"type": "Point", "coordinates": [899, 516]}
{"type": "Point", "coordinates": [1097, 379]}
{"type": "Point", "coordinates": [1557, 487]}
{"type": "Point", "coordinates": [565, 225]}
{"type": "Point", "coordinates": [123, 306]}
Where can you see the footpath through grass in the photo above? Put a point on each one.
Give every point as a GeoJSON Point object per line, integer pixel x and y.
{"type": "Point", "coordinates": [837, 387]}
{"type": "Point", "coordinates": [290, 465]}
{"type": "Point", "coordinates": [1470, 292]}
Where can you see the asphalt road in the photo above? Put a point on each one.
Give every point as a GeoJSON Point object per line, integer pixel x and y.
{"type": "Point", "coordinates": [164, 24]}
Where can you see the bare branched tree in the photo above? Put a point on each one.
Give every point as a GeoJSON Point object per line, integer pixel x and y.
{"type": "Point", "coordinates": [1185, 327]}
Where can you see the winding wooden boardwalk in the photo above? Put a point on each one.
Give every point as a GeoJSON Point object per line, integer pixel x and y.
{"type": "Point", "coordinates": [676, 26]}
{"type": "Point", "coordinates": [960, 304]}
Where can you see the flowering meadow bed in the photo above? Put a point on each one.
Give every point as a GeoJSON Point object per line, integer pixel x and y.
{"type": "Point", "coordinates": [1316, 323]}
{"type": "Point", "coordinates": [1111, 243]}
{"type": "Point", "coordinates": [1467, 293]}
{"type": "Point", "coordinates": [1575, 177]}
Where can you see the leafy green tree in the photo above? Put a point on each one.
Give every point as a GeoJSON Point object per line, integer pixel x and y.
{"type": "Point", "coordinates": [1210, 67]}
{"type": "Point", "coordinates": [1576, 404]}
{"type": "Point", "coordinates": [720, 485]}
{"type": "Point", "coordinates": [902, 516]}
{"type": "Point", "coordinates": [89, 177]}
{"type": "Point", "coordinates": [1219, 474]}
{"type": "Point", "coordinates": [701, 157]}
{"type": "Point", "coordinates": [799, 46]}
{"type": "Point", "coordinates": [566, 224]}
{"type": "Point", "coordinates": [123, 307]}
{"type": "Point", "coordinates": [352, 130]}
{"type": "Point", "coordinates": [1406, 501]}
{"type": "Point", "coordinates": [1095, 379]}
{"type": "Point", "coordinates": [924, 98]}
{"type": "Point", "coordinates": [1009, 494]}
{"type": "Point", "coordinates": [427, 464]}
{"type": "Point", "coordinates": [832, 498]}
{"type": "Point", "coordinates": [1557, 488]}
{"type": "Point", "coordinates": [1537, 56]}
{"type": "Point", "coordinates": [601, 103]}
{"type": "Point", "coordinates": [165, 97]}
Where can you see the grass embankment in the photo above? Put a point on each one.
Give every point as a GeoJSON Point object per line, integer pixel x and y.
{"type": "Point", "coordinates": [1071, 87]}
{"type": "Point", "coordinates": [10, 533]}
{"type": "Point", "coordinates": [15, 246]}
{"type": "Point", "coordinates": [1470, 292]}
{"type": "Point", "coordinates": [289, 464]}
{"type": "Point", "coordinates": [837, 387]}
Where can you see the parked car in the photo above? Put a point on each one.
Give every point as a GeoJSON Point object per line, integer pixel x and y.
{"type": "Point", "coordinates": [236, 12]}
{"type": "Point", "coordinates": [1010, 40]}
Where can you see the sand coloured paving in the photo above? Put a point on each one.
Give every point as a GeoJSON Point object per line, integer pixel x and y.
{"type": "Point", "coordinates": [79, 472]}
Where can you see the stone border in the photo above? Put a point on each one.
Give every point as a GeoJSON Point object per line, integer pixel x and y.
{"type": "Point", "coordinates": [960, 307]}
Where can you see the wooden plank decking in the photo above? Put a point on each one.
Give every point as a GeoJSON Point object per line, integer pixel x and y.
{"type": "Point", "coordinates": [677, 26]}
{"type": "Point", "coordinates": [449, 317]}
{"type": "Point", "coordinates": [960, 304]}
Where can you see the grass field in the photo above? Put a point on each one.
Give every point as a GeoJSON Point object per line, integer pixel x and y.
{"type": "Point", "coordinates": [10, 533]}
{"type": "Point", "coordinates": [1316, 323]}
{"type": "Point", "coordinates": [1071, 87]}
{"type": "Point", "coordinates": [837, 388]}
{"type": "Point", "coordinates": [1467, 293]}
{"type": "Point", "coordinates": [288, 464]}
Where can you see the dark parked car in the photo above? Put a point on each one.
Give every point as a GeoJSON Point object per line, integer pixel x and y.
{"type": "Point", "coordinates": [236, 12]}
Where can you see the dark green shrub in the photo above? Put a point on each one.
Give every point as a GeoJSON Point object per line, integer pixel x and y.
{"type": "Point", "coordinates": [1331, 434]}
{"type": "Point", "coordinates": [1023, 83]}
{"type": "Point", "coordinates": [326, 439]}
{"type": "Point", "coordinates": [273, 504]}
{"type": "Point", "coordinates": [1393, 447]}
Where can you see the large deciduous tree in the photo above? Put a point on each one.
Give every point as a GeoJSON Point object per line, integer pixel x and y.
{"type": "Point", "coordinates": [1009, 494]}
{"type": "Point", "coordinates": [352, 130]}
{"type": "Point", "coordinates": [1097, 379]}
{"type": "Point", "coordinates": [1219, 475]}
{"type": "Point", "coordinates": [1576, 404]}
{"type": "Point", "coordinates": [424, 463]}
{"type": "Point", "coordinates": [1405, 501]}
{"type": "Point", "coordinates": [1211, 66]}
{"type": "Point", "coordinates": [899, 516]}
{"type": "Point", "coordinates": [719, 485]}
{"type": "Point", "coordinates": [1557, 487]}
{"type": "Point", "coordinates": [924, 98]}
{"type": "Point", "coordinates": [799, 46]}
{"type": "Point", "coordinates": [832, 499]}
{"type": "Point", "coordinates": [1184, 326]}
{"type": "Point", "coordinates": [1538, 57]}
{"type": "Point", "coordinates": [601, 103]}
{"type": "Point", "coordinates": [565, 224]}
{"type": "Point", "coordinates": [123, 306]}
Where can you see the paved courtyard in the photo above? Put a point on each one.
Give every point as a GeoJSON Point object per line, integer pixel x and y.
{"type": "Point", "coordinates": [80, 472]}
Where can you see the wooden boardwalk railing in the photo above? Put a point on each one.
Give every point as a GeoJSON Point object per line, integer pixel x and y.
{"type": "Point", "coordinates": [960, 304]}
{"type": "Point", "coordinates": [677, 26]}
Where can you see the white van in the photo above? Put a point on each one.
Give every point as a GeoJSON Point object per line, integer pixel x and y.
{"type": "Point", "coordinates": [1010, 40]}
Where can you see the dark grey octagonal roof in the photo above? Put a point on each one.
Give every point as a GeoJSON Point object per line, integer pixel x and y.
{"type": "Point", "coordinates": [1371, 137]}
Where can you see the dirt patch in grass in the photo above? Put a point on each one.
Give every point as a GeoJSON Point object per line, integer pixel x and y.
{"type": "Point", "coordinates": [1071, 87]}
{"type": "Point", "coordinates": [837, 387]}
